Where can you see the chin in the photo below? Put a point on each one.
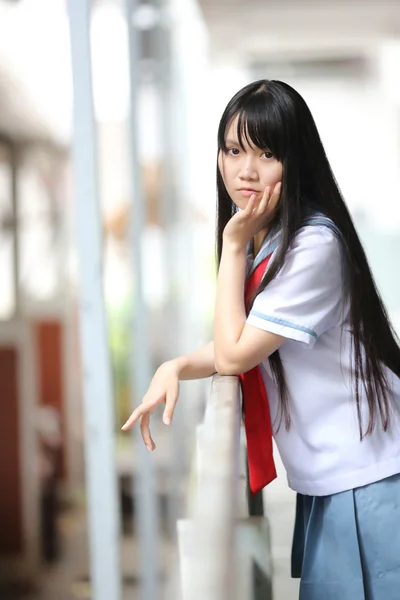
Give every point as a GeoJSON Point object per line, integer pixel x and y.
{"type": "Point", "coordinates": [241, 205]}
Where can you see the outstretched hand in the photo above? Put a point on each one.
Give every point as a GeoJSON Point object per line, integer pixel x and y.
{"type": "Point", "coordinates": [246, 223]}
{"type": "Point", "coordinates": [164, 388]}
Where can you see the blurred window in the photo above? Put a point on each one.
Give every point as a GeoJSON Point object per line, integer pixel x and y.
{"type": "Point", "coordinates": [41, 236]}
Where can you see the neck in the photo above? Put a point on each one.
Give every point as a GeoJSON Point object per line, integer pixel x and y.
{"type": "Point", "coordinates": [258, 240]}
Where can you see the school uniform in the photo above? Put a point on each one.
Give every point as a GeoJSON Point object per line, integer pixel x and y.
{"type": "Point", "coordinates": [347, 532]}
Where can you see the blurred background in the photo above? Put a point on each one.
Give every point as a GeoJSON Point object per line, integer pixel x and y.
{"type": "Point", "coordinates": [162, 73]}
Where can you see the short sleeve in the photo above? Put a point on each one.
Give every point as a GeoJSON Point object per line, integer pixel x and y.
{"type": "Point", "coordinates": [304, 299]}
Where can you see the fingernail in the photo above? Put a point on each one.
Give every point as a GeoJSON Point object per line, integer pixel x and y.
{"type": "Point", "coordinates": [167, 420]}
{"type": "Point", "coordinates": [278, 187]}
{"type": "Point", "coordinates": [149, 448]}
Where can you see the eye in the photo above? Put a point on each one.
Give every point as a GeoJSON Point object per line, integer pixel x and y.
{"type": "Point", "coordinates": [268, 154]}
{"type": "Point", "coordinates": [232, 151]}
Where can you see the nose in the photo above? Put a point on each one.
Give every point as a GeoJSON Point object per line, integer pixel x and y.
{"type": "Point", "coordinates": [248, 171]}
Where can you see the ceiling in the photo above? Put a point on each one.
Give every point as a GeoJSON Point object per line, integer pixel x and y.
{"type": "Point", "coordinates": [254, 28]}
{"type": "Point", "coordinates": [241, 31]}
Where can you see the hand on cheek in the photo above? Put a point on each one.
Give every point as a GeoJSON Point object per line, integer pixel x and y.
{"type": "Point", "coordinates": [275, 197]}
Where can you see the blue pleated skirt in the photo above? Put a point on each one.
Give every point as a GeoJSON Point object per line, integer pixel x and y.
{"type": "Point", "coordinates": [347, 546]}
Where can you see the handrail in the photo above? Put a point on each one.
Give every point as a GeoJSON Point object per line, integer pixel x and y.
{"type": "Point", "coordinates": [219, 544]}
{"type": "Point", "coordinates": [217, 487]}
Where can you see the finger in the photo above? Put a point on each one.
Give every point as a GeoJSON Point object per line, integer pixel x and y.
{"type": "Point", "coordinates": [264, 200]}
{"type": "Point", "coordinates": [250, 206]}
{"type": "Point", "coordinates": [170, 402]}
{"type": "Point", "coordinates": [137, 413]}
{"type": "Point", "coordinates": [273, 201]}
{"type": "Point", "coordinates": [145, 431]}
{"type": "Point", "coordinates": [277, 189]}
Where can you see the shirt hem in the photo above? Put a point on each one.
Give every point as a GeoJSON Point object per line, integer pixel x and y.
{"type": "Point", "coordinates": [349, 481]}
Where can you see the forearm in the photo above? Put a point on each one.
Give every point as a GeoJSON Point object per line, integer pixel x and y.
{"type": "Point", "coordinates": [230, 313]}
{"type": "Point", "coordinates": [196, 365]}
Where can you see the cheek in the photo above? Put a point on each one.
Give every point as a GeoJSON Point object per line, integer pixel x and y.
{"type": "Point", "coordinates": [274, 174]}
{"type": "Point", "coordinates": [226, 172]}
{"type": "Point", "coordinates": [277, 173]}
{"type": "Point", "coordinates": [222, 167]}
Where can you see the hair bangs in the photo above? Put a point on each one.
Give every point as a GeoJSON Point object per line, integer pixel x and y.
{"type": "Point", "coordinates": [259, 124]}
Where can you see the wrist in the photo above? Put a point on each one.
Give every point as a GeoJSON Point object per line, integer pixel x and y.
{"type": "Point", "coordinates": [175, 366]}
{"type": "Point", "coordinates": [233, 246]}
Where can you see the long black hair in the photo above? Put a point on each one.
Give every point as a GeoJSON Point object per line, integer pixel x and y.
{"type": "Point", "coordinates": [272, 115]}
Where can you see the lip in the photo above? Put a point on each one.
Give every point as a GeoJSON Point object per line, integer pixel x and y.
{"type": "Point", "coordinates": [248, 191]}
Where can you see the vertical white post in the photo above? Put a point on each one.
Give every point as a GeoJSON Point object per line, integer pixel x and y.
{"type": "Point", "coordinates": [103, 509]}
{"type": "Point", "coordinates": [145, 491]}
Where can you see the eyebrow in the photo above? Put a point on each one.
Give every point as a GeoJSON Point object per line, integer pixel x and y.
{"type": "Point", "coordinates": [231, 142]}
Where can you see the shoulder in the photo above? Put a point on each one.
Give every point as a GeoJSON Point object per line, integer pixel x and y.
{"type": "Point", "coordinates": [303, 299]}
{"type": "Point", "coordinates": [316, 238]}
{"type": "Point", "coordinates": [316, 235]}
{"type": "Point", "coordinates": [314, 253]}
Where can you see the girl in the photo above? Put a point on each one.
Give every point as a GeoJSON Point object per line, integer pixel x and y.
{"type": "Point", "coordinates": [313, 330]}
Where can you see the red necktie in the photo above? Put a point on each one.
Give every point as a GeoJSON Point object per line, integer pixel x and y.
{"type": "Point", "coordinates": [257, 418]}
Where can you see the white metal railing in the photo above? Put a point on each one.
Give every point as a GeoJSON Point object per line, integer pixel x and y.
{"type": "Point", "coordinates": [224, 551]}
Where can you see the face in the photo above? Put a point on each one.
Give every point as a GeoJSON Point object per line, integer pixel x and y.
{"type": "Point", "coordinates": [248, 170]}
